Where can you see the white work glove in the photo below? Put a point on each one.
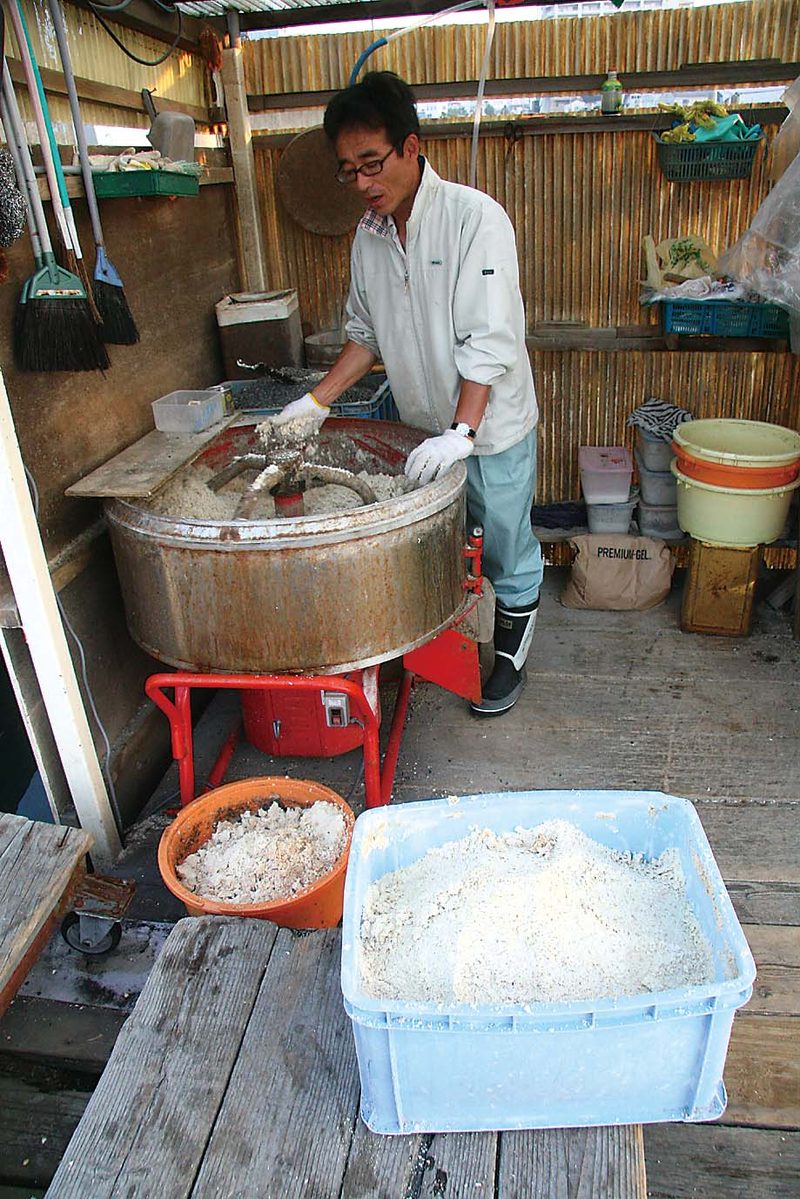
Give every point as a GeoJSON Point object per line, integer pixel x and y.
{"type": "Point", "coordinates": [307, 408]}
{"type": "Point", "coordinates": [436, 455]}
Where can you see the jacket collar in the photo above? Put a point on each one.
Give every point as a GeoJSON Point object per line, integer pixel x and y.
{"type": "Point", "coordinates": [382, 226]}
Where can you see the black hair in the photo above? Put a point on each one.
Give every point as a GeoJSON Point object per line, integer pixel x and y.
{"type": "Point", "coordinates": [382, 100]}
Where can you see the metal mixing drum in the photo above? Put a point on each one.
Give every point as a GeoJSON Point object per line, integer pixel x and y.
{"type": "Point", "coordinates": [315, 593]}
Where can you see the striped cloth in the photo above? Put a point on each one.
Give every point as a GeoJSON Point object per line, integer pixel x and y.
{"type": "Point", "coordinates": [658, 419]}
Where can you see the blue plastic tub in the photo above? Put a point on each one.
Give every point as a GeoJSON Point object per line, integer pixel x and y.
{"type": "Point", "coordinates": [636, 1059]}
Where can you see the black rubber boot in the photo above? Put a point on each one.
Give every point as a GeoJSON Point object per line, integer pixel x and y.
{"type": "Point", "coordinates": [513, 630]}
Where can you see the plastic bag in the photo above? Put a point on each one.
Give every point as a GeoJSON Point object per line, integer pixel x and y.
{"type": "Point", "coordinates": [767, 256]}
{"type": "Point", "coordinates": [787, 139]}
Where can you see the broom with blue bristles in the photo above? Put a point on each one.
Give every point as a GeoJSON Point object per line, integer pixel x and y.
{"type": "Point", "coordinates": [117, 324]}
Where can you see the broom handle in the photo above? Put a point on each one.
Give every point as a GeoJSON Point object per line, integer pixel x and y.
{"type": "Point", "coordinates": [39, 101]}
{"type": "Point", "coordinates": [80, 133]}
{"type": "Point", "coordinates": [18, 145]}
{"type": "Point", "coordinates": [30, 78]}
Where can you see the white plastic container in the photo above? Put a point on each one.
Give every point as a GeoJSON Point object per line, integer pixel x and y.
{"type": "Point", "coordinates": [657, 486]}
{"type": "Point", "coordinates": [425, 1067]}
{"type": "Point", "coordinates": [189, 411]}
{"type": "Point", "coordinates": [606, 472]}
{"type": "Point", "coordinates": [724, 516]}
{"type": "Point", "coordinates": [654, 453]}
{"type": "Point", "coordinates": [656, 520]}
{"type": "Point", "coordinates": [611, 518]}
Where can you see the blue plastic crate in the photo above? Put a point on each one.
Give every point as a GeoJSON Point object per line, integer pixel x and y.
{"type": "Point", "coordinates": [636, 1059]}
{"type": "Point", "coordinates": [724, 318]}
{"type": "Point", "coordinates": [380, 406]}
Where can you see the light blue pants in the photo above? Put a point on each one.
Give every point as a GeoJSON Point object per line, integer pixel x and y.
{"type": "Point", "coordinates": [500, 491]}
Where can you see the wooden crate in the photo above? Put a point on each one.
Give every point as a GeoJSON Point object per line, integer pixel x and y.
{"type": "Point", "coordinates": [719, 589]}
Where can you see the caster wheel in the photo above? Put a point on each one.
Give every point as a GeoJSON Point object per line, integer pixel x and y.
{"type": "Point", "coordinates": [71, 932]}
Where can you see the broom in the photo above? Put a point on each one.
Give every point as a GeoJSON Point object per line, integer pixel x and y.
{"type": "Point", "coordinates": [53, 326]}
{"type": "Point", "coordinates": [117, 324]}
{"type": "Point", "coordinates": [74, 257]}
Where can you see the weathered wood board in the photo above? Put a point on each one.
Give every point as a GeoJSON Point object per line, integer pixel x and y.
{"type": "Point", "coordinates": [139, 470]}
{"type": "Point", "coordinates": [38, 865]}
{"type": "Point", "coordinates": [236, 1075]}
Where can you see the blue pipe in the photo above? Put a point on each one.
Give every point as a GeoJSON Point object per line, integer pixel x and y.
{"type": "Point", "coordinates": [362, 58]}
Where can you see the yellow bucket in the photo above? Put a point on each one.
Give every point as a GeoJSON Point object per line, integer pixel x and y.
{"type": "Point", "coordinates": [730, 516]}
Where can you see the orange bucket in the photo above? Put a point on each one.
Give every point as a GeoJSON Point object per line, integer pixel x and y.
{"type": "Point", "coordinates": [740, 477]}
{"type": "Point", "coordinates": [318, 906]}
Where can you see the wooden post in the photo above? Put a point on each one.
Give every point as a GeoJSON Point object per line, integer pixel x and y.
{"type": "Point", "coordinates": [241, 143]}
{"type": "Point", "coordinates": [41, 622]}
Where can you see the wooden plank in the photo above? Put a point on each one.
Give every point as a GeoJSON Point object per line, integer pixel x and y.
{"type": "Point", "coordinates": [71, 1036]}
{"type": "Point", "coordinates": [762, 1072]}
{"type": "Point", "coordinates": [105, 93]}
{"type": "Point", "coordinates": [765, 903]}
{"type": "Point", "coordinates": [241, 147]}
{"type": "Point", "coordinates": [153, 1110]}
{"type": "Point", "coordinates": [38, 1120]}
{"type": "Point", "coordinates": [296, 1076]}
{"type": "Point", "coordinates": [776, 950]}
{"type": "Point", "coordinates": [143, 467]}
{"type": "Point", "coordinates": [75, 190]}
{"type": "Point", "coordinates": [752, 842]}
{"type": "Point", "coordinates": [711, 1161]}
{"type": "Point", "coordinates": [382, 1167]}
{"type": "Point", "coordinates": [572, 1163]}
{"type": "Point", "coordinates": [702, 74]}
{"type": "Point", "coordinates": [38, 863]}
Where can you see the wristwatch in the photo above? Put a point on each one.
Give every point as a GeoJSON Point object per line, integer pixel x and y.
{"type": "Point", "coordinates": [461, 426]}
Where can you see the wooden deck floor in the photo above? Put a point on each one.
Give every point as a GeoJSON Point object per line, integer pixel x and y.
{"type": "Point", "coordinates": [622, 701]}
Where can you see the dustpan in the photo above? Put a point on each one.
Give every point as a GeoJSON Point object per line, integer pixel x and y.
{"type": "Point", "coordinates": [171, 133]}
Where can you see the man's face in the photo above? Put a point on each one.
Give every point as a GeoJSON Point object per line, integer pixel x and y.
{"type": "Point", "coordinates": [392, 190]}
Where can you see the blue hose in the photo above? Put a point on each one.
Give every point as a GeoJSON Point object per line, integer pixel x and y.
{"type": "Point", "coordinates": [362, 58]}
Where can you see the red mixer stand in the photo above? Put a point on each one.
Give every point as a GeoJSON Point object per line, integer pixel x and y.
{"type": "Point", "coordinates": [449, 659]}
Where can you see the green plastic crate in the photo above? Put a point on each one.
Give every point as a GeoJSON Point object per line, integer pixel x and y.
{"type": "Point", "coordinates": [684, 161]}
{"type": "Point", "coordinates": [144, 183]}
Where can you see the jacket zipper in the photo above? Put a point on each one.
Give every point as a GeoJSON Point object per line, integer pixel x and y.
{"type": "Point", "coordinates": [420, 357]}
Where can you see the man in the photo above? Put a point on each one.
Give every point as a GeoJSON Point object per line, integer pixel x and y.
{"type": "Point", "coordinates": [434, 292]}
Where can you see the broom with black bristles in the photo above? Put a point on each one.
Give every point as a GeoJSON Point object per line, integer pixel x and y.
{"type": "Point", "coordinates": [117, 324]}
{"type": "Point", "coordinates": [54, 329]}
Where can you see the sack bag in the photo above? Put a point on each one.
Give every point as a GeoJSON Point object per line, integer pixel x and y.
{"type": "Point", "coordinates": [618, 572]}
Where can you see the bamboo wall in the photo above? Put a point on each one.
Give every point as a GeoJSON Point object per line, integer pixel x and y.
{"type": "Point", "coordinates": [636, 41]}
{"type": "Point", "coordinates": [581, 203]}
{"type": "Point", "coordinates": [95, 56]}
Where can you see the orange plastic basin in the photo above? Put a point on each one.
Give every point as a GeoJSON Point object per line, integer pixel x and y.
{"type": "Point", "coordinates": [318, 906]}
{"type": "Point", "coordinates": [741, 477]}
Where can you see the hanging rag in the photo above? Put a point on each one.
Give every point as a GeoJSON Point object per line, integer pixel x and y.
{"type": "Point", "coordinates": [13, 211]}
{"type": "Point", "coordinates": [727, 129]}
{"type": "Point", "coordinates": [658, 419]}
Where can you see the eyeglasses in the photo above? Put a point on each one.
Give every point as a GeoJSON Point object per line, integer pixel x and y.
{"type": "Point", "coordinates": [347, 175]}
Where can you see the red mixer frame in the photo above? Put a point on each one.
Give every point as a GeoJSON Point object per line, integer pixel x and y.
{"type": "Point", "coordinates": [450, 659]}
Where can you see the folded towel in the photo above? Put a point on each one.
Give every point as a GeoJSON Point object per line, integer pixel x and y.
{"type": "Point", "coordinates": [658, 418]}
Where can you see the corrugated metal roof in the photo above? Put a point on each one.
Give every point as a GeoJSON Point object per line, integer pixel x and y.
{"type": "Point", "coordinates": [217, 8]}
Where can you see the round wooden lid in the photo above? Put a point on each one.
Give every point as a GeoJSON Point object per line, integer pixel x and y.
{"type": "Point", "coordinates": [308, 189]}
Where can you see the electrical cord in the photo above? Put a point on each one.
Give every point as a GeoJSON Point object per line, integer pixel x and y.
{"type": "Point", "coordinates": [144, 62]}
{"type": "Point", "coordinates": [112, 793]}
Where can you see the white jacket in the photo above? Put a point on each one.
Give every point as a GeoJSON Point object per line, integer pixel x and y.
{"type": "Point", "coordinates": [447, 308]}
